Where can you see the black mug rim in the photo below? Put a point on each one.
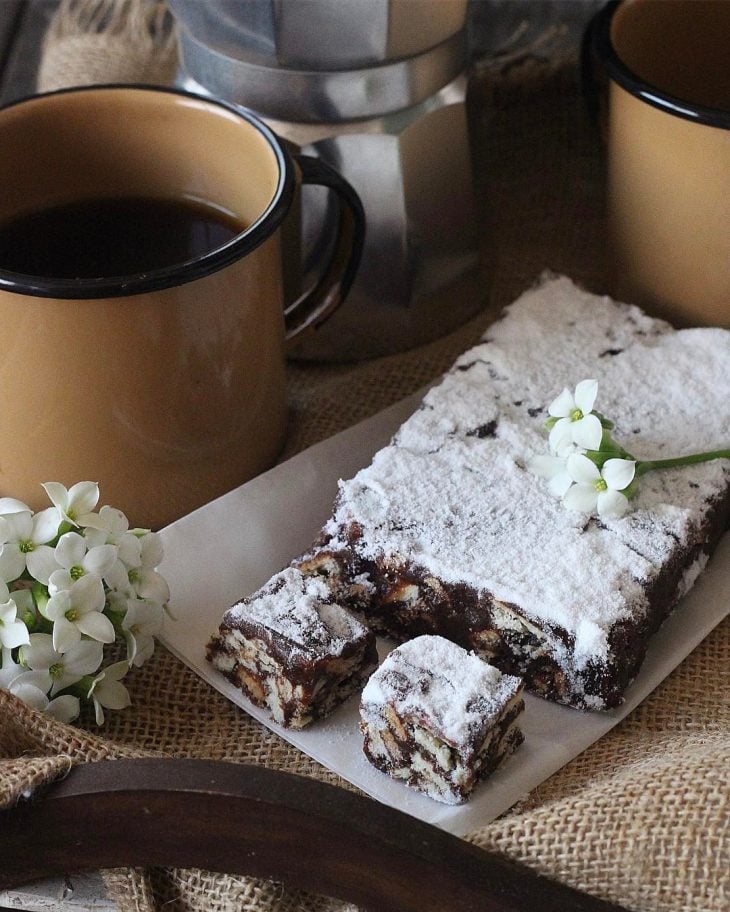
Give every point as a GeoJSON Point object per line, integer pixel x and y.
{"type": "Point", "coordinates": [178, 273]}
{"type": "Point", "coordinates": [642, 88]}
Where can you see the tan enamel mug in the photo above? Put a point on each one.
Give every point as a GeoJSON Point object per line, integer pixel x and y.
{"type": "Point", "coordinates": [165, 386]}
{"type": "Point", "coordinates": [668, 139]}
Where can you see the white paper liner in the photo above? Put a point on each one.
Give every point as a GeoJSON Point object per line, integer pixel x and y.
{"type": "Point", "coordinates": [230, 547]}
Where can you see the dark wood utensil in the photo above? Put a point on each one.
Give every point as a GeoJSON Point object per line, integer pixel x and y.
{"type": "Point", "coordinates": [243, 819]}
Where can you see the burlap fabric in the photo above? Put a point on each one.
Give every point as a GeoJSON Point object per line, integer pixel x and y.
{"type": "Point", "coordinates": [640, 818]}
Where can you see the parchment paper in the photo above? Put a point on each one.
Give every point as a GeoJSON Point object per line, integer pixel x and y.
{"type": "Point", "coordinates": [230, 547]}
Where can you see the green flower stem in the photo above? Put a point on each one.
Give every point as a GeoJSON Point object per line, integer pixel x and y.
{"type": "Point", "coordinates": [643, 467]}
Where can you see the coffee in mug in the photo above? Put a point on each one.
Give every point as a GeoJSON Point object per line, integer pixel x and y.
{"type": "Point", "coordinates": [142, 313]}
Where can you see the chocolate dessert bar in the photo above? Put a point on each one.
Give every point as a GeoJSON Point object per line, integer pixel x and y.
{"type": "Point", "coordinates": [439, 718]}
{"type": "Point", "coordinates": [448, 532]}
{"type": "Point", "coordinates": [292, 649]}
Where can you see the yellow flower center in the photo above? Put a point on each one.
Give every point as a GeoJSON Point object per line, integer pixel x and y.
{"type": "Point", "coordinates": [576, 414]}
{"type": "Point", "coordinates": [601, 485]}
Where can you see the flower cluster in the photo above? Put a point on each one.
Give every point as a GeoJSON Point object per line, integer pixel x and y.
{"type": "Point", "coordinates": [587, 468]}
{"type": "Point", "coordinates": [71, 582]}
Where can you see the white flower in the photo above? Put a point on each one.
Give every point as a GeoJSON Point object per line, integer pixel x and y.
{"type": "Point", "coordinates": [24, 538]}
{"type": "Point", "coordinates": [74, 561]}
{"type": "Point", "coordinates": [147, 582]}
{"type": "Point", "coordinates": [12, 631]}
{"type": "Point", "coordinates": [111, 527]}
{"type": "Point", "coordinates": [32, 688]}
{"type": "Point", "coordinates": [142, 580]}
{"type": "Point", "coordinates": [77, 611]}
{"type": "Point", "coordinates": [75, 503]}
{"type": "Point", "coordinates": [65, 668]}
{"type": "Point", "coordinates": [107, 690]}
{"type": "Point", "coordinates": [141, 624]}
{"type": "Point", "coordinates": [596, 489]}
{"type": "Point", "coordinates": [554, 469]}
{"type": "Point", "coordinates": [576, 425]}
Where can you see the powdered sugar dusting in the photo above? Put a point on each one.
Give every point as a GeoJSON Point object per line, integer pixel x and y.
{"type": "Point", "coordinates": [440, 685]}
{"type": "Point", "coordinates": [452, 495]}
{"type": "Point", "coordinates": [300, 609]}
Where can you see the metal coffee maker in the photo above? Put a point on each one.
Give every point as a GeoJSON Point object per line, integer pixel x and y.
{"type": "Point", "coordinates": [377, 88]}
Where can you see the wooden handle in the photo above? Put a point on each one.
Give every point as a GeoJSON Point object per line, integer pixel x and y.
{"type": "Point", "coordinates": [250, 820]}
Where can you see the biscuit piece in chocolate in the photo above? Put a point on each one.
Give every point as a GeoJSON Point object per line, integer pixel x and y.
{"type": "Point", "coordinates": [439, 718]}
{"type": "Point", "coordinates": [292, 649]}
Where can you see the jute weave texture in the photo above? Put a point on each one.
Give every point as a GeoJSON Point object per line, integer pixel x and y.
{"type": "Point", "coordinates": [643, 816]}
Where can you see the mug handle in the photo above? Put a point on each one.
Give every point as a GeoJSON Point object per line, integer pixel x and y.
{"type": "Point", "coordinates": [316, 305]}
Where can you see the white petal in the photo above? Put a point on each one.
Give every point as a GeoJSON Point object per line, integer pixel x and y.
{"type": "Point", "coordinates": [8, 611]}
{"type": "Point", "coordinates": [581, 498]}
{"type": "Point", "coordinates": [546, 466]}
{"type": "Point", "coordinates": [57, 605]}
{"type": "Point", "coordinates": [9, 670]}
{"type": "Point", "coordinates": [97, 626]}
{"type": "Point", "coordinates": [42, 563]}
{"type": "Point", "coordinates": [581, 469]}
{"type": "Point", "coordinates": [13, 634]}
{"type": "Point", "coordinates": [70, 550]}
{"type": "Point", "coordinates": [58, 495]}
{"type": "Point", "coordinates": [95, 537]}
{"type": "Point", "coordinates": [612, 504]}
{"type": "Point", "coordinates": [85, 658]}
{"type": "Point", "coordinates": [40, 654]}
{"type": "Point", "coordinates": [116, 671]}
{"type": "Point", "coordinates": [153, 586]}
{"type": "Point", "coordinates": [152, 552]}
{"type": "Point", "coordinates": [131, 641]}
{"type": "Point", "coordinates": [113, 695]}
{"type": "Point", "coordinates": [45, 525]}
{"type": "Point", "coordinates": [144, 651]}
{"type": "Point", "coordinates": [83, 497]}
{"type": "Point", "coordinates": [39, 679]}
{"type": "Point", "coordinates": [22, 525]}
{"type": "Point", "coordinates": [12, 562]}
{"type": "Point", "coordinates": [561, 436]}
{"type": "Point", "coordinates": [98, 712]}
{"type": "Point", "coordinates": [563, 405]}
{"type": "Point", "coordinates": [587, 432]}
{"type": "Point", "coordinates": [31, 696]}
{"type": "Point", "coordinates": [149, 618]}
{"type": "Point", "coordinates": [65, 635]}
{"type": "Point", "coordinates": [60, 581]}
{"type": "Point", "coordinates": [130, 550]}
{"type": "Point", "coordinates": [11, 505]}
{"type": "Point", "coordinates": [118, 577]}
{"type": "Point", "coordinates": [560, 484]}
{"type": "Point", "coordinates": [585, 395]}
{"type": "Point", "coordinates": [618, 473]}
{"type": "Point", "coordinates": [64, 709]}
{"type": "Point", "coordinates": [100, 560]}
{"type": "Point", "coordinates": [88, 593]}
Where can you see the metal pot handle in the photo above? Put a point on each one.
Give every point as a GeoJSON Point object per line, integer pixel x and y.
{"type": "Point", "coordinates": [313, 308]}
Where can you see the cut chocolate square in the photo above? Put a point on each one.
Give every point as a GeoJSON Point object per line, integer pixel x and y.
{"type": "Point", "coordinates": [293, 650]}
{"type": "Point", "coordinates": [439, 718]}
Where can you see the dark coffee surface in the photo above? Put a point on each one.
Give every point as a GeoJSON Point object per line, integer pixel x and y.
{"type": "Point", "coordinates": [101, 238]}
